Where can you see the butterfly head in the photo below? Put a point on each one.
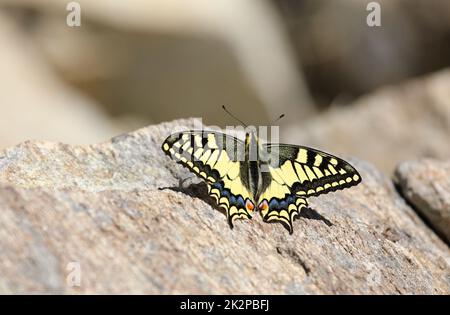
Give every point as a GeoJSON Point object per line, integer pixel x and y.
{"type": "Point", "coordinates": [250, 138]}
{"type": "Point", "coordinates": [252, 144]}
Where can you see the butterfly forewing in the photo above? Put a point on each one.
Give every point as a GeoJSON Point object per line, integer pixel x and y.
{"type": "Point", "coordinates": [309, 172]}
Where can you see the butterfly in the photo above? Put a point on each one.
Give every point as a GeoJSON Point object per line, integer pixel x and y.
{"type": "Point", "coordinates": [247, 177]}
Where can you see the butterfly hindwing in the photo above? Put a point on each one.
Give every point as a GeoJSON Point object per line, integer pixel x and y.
{"type": "Point", "coordinates": [233, 203]}
{"type": "Point", "coordinates": [297, 172]}
{"type": "Point", "coordinates": [216, 158]}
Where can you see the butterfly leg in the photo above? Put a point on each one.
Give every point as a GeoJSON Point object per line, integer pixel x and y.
{"type": "Point", "coordinates": [182, 181]}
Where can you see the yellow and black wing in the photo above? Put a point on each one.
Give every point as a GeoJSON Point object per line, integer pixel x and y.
{"type": "Point", "coordinates": [295, 173]}
{"type": "Point", "coordinates": [216, 158]}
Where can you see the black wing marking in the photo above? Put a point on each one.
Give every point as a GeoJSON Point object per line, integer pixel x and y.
{"type": "Point", "coordinates": [216, 158]}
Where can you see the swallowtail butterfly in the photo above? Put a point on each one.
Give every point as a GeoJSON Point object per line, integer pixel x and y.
{"type": "Point", "coordinates": [275, 181]}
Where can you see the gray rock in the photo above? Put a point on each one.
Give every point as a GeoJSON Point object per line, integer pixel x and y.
{"type": "Point", "coordinates": [426, 185]}
{"type": "Point", "coordinates": [97, 214]}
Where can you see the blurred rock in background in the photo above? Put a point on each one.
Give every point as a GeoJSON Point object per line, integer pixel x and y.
{"type": "Point", "coordinates": [426, 185]}
{"type": "Point", "coordinates": [35, 104]}
{"type": "Point", "coordinates": [343, 58]}
{"type": "Point", "coordinates": [152, 60]}
{"type": "Point", "coordinates": [139, 62]}
{"type": "Point", "coordinates": [387, 126]}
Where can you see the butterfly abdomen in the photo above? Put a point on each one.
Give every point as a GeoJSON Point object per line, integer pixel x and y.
{"type": "Point", "coordinates": [251, 167]}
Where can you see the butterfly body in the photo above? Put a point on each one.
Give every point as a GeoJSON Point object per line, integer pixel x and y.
{"type": "Point", "coordinates": [256, 180]}
{"type": "Point", "coordinates": [245, 177]}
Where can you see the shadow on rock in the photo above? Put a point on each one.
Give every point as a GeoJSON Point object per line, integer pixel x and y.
{"type": "Point", "coordinates": [200, 190]}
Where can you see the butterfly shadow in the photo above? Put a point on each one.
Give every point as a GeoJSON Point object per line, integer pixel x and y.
{"type": "Point", "coordinates": [200, 191]}
{"type": "Point", "coordinates": [311, 214]}
{"type": "Point", "coordinates": [197, 190]}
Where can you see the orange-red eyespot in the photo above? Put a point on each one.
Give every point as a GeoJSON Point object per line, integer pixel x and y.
{"type": "Point", "coordinates": [263, 205]}
{"type": "Point", "coordinates": [249, 205]}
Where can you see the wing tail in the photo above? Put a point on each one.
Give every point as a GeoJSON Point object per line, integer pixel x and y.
{"type": "Point", "coordinates": [284, 211]}
{"type": "Point", "coordinates": [234, 206]}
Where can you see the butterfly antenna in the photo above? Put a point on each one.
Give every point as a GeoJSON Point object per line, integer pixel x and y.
{"type": "Point", "coordinates": [229, 113]}
{"type": "Point", "coordinates": [281, 116]}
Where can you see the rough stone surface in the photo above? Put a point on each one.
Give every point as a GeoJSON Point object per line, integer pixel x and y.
{"type": "Point", "coordinates": [105, 207]}
{"type": "Point", "coordinates": [426, 185]}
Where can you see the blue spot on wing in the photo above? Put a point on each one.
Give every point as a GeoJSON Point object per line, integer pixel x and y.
{"type": "Point", "coordinates": [234, 200]}
{"type": "Point", "coordinates": [278, 204]}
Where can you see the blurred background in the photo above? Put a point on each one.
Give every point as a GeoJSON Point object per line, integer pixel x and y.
{"type": "Point", "coordinates": [378, 93]}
